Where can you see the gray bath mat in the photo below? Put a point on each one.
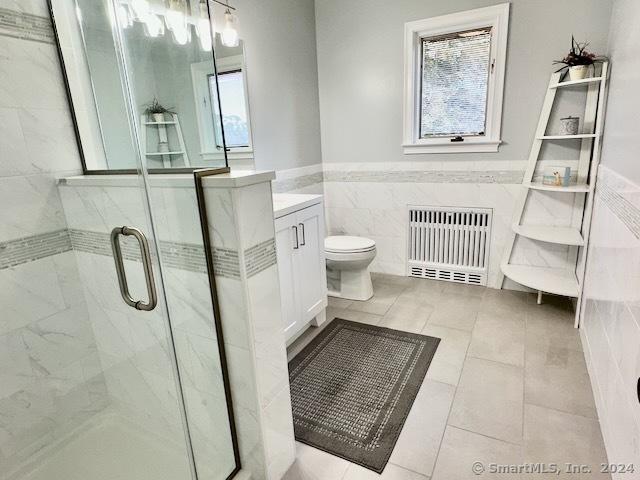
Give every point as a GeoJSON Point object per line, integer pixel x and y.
{"type": "Point", "coordinates": [352, 388]}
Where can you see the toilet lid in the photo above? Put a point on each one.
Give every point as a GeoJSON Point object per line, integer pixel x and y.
{"type": "Point", "coordinates": [345, 243]}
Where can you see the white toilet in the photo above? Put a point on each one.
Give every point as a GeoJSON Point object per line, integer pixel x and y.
{"type": "Point", "coordinates": [348, 259]}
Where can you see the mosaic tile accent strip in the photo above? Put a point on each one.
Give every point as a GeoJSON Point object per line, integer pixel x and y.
{"type": "Point", "coordinates": [226, 263]}
{"type": "Point", "coordinates": [611, 193]}
{"type": "Point", "coordinates": [352, 388]}
{"type": "Point", "coordinates": [25, 26]}
{"type": "Point", "coordinates": [177, 255]}
{"type": "Point", "coordinates": [260, 257]}
{"type": "Point", "coordinates": [282, 186]}
{"type": "Point", "coordinates": [413, 176]}
{"type": "Point", "coordinates": [28, 249]}
{"type": "Point", "coordinates": [183, 256]}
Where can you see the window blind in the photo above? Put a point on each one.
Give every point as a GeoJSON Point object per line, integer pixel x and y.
{"type": "Point", "coordinates": [455, 71]}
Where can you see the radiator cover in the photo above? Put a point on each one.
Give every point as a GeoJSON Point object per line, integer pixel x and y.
{"type": "Point", "coordinates": [449, 243]}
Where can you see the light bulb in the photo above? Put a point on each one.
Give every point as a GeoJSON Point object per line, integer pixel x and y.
{"type": "Point", "coordinates": [204, 28]}
{"type": "Point", "coordinates": [124, 19]}
{"type": "Point", "coordinates": [174, 16]}
{"type": "Point", "coordinates": [153, 25]}
{"type": "Point", "coordinates": [229, 34]}
{"type": "Point", "coordinates": [140, 9]}
{"type": "Point", "coordinates": [176, 21]}
{"type": "Point", "coordinates": [182, 35]}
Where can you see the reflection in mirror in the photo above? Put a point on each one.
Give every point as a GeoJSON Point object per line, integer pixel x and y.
{"type": "Point", "coordinates": [150, 63]}
{"type": "Point", "coordinates": [233, 105]}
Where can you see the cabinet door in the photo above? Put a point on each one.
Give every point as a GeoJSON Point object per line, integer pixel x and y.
{"type": "Point", "coordinates": [286, 250]}
{"type": "Point", "coordinates": [312, 279]}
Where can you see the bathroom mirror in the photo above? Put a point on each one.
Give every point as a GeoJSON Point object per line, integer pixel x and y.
{"type": "Point", "coordinates": [160, 55]}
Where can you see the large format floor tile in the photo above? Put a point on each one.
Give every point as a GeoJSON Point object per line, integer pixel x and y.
{"type": "Point", "coordinates": [446, 365]}
{"type": "Point", "coordinates": [556, 377]}
{"type": "Point", "coordinates": [489, 400]}
{"type": "Point", "coordinates": [465, 455]}
{"type": "Point", "coordinates": [454, 311]}
{"type": "Point", "coordinates": [384, 295]}
{"type": "Point", "coordinates": [391, 472]}
{"type": "Point", "coordinates": [498, 337]}
{"type": "Point", "coordinates": [557, 437]}
{"type": "Point", "coordinates": [314, 464]}
{"type": "Point", "coordinates": [507, 385]}
{"type": "Point", "coordinates": [419, 442]}
{"type": "Point", "coordinates": [407, 317]}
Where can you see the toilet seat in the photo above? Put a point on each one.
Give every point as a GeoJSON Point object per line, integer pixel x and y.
{"type": "Point", "coordinates": [348, 244]}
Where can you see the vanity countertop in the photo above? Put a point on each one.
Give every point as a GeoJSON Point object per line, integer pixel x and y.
{"type": "Point", "coordinates": [286, 203]}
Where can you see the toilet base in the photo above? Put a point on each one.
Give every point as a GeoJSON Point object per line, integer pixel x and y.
{"type": "Point", "coordinates": [354, 285]}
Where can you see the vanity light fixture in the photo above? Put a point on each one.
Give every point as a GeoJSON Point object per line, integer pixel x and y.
{"type": "Point", "coordinates": [204, 28]}
{"type": "Point", "coordinates": [176, 19]}
{"type": "Point", "coordinates": [141, 9]}
{"type": "Point", "coordinates": [124, 19]}
{"type": "Point", "coordinates": [229, 34]}
{"type": "Point", "coordinates": [153, 25]}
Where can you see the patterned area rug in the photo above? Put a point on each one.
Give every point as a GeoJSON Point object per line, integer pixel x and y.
{"type": "Point", "coordinates": [352, 388]}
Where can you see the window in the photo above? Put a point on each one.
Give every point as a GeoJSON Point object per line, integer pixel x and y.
{"type": "Point", "coordinates": [232, 85]}
{"type": "Point", "coordinates": [234, 108]}
{"type": "Point", "coordinates": [454, 77]}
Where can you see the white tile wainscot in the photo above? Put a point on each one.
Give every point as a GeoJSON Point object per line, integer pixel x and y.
{"type": "Point", "coordinates": [371, 200]}
{"type": "Point", "coordinates": [240, 214]}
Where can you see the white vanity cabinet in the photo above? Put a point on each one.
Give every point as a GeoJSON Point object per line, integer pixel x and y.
{"type": "Point", "coordinates": [300, 232]}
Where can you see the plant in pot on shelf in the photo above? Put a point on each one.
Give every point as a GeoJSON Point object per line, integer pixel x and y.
{"type": "Point", "coordinates": [156, 112]}
{"type": "Point", "coordinates": [578, 60]}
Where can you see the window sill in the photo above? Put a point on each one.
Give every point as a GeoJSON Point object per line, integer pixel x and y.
{"type": "Point", "coordinates": [451, 147]}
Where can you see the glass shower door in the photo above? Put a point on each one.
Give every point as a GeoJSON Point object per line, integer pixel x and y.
{"type": "Point", "coordinates": [140, 260]}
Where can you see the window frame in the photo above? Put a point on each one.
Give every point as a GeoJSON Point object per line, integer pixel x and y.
{"type": "Point", "coordinates": [497, 18]}
{"type": "Point", "coordinates": [200, 73]}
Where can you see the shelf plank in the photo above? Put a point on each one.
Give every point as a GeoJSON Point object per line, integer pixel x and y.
{"type": "Point", "coordinates": [568, 137]}
{"type": "Point", "coordinates": [570, 83]}
{"type": "Point", "coordinates": [551, 234]}
{"type": "Point", "coordinates": [156, 154]}
{"type": "Point", "coordinates": [550, 280]}
{"type": "Point", "coordinates": [582, 188]}
{"type": "Point", "coordinates": [168, 122]}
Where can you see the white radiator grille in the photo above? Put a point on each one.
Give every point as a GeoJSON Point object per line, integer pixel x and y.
{"type": "Point", "coordinates": [449, 243]}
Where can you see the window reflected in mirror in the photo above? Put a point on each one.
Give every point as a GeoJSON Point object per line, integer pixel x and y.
{"type": "Point", "coordinates": [143, 84]}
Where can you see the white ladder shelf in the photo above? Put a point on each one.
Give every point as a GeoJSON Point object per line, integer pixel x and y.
{"type": "Point", "coordinates": [560, 281]}
{"type": "Point", "coordinates": [163, 136]}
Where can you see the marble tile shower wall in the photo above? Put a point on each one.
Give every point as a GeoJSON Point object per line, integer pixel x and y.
{"type": "Point", "coordinates": [49, 368]}
{"type": "Point", "coordinates": [611, 324]}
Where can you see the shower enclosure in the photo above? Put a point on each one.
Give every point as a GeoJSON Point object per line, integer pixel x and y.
{"type": "Point", "coordinates": [112, 359]}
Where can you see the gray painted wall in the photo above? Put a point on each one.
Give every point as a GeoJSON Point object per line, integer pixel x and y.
{"type": "Point", "coordinates": [280, 49]}
{"type": "Point", "coordinates": [360, 70]}
{"type": "Point", "coordinates": [620, 143]}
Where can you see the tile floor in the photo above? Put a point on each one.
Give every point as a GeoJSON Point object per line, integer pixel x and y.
{"type": "Point", "coordinates": [508, 385]}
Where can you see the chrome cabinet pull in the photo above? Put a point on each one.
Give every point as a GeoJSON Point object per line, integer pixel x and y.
{"type": "Point", "coordinates": [295, 228]}
{"type": "Point", "coordinates": [304, 240]}
{"type": "Point", "coordinates": [146, 265]}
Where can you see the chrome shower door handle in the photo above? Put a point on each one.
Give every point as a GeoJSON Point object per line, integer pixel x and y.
{"type": "Point", "coordinates": [146, 265]}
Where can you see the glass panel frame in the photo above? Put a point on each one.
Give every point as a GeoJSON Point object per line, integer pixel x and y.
{"type": "Point", "coordinates": [145, 187]}
{"type": "Point", "coordinates": [85, 147]}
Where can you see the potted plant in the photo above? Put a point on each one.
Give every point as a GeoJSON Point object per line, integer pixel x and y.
{"type": "Point", "coordinates": [578, 60]}
{"type": "Point", "coordinates": [156, 111]}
